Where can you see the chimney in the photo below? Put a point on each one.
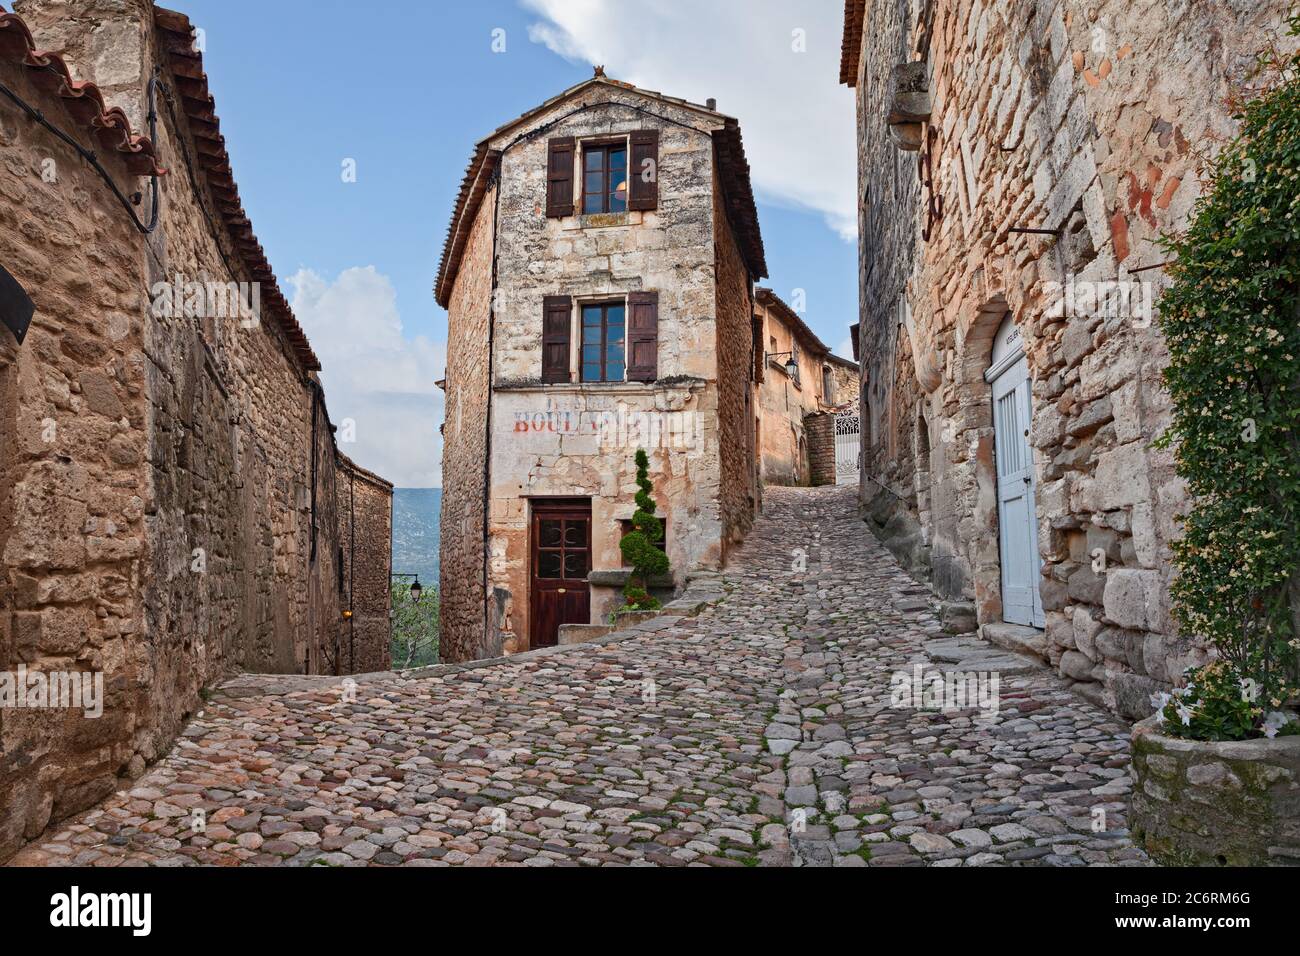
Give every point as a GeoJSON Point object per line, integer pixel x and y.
{"type": "Point", "coordinates": [712, 104]}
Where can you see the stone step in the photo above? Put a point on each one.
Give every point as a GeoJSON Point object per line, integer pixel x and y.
{"type": "Point", "coordinates": [1016, 638]}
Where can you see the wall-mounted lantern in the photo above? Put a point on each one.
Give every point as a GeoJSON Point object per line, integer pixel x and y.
{"type": "Point", "coordinates": [791, 363]}
{"type": "Point", "coordinates": [16, 307]}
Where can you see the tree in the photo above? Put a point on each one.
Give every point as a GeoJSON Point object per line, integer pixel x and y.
{"type": "Point", "coordinates": [640, 546]}
{"type": "Point", "coordinates": [415, 627]}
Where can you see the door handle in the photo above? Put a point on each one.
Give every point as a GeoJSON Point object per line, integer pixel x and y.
{"type": "Point", "coordinates": [1026, 479]}
{"type": "Point", "coordinates": [566, 590]}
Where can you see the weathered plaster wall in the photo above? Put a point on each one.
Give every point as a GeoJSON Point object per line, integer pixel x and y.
{"type": "Point", "coordinates": [1059, 115]}
{"type": "Point", "coordinates": [783, 405]}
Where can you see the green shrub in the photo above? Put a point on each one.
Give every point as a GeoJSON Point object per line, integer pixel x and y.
{"type": "Point", "coordinates": [1232, 323]}
{"type": "Point", "coordinates": [640, 546]}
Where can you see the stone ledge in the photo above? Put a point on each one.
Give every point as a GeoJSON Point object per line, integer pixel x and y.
{"type": "Point", "coordinates": [1017, 638]}
{"type": "Point", "coordinates": [1208, 803]}
{"type": "Point", "coordinates": [618, 577]}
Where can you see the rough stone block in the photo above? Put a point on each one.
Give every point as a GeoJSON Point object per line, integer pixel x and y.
{"type": "Point", "coordinates": [1132, 598]}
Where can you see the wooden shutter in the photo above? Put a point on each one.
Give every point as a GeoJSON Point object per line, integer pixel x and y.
{"type": "Point", "coordinates": [643, 194]}
{"type": "Point", "coordinates": [557, 317]}
{"type": "Point", "coordinates": [642, 336]}
{"type": "Point", "coordinates": [559, 177]}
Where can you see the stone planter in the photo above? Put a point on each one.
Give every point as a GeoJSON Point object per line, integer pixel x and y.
{"type": "Point", "coordinates": [1231, 803]}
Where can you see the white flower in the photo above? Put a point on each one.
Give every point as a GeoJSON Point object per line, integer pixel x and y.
{"type": "Point", "coordinates": [1274, 721]}
{"type": "Point", "coordinates": [1184, 713]}
{"type": "Point", "coordinates": [1158, 701]}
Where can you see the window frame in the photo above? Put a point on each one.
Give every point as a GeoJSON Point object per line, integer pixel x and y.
{"type": "Point", "coordinates": [605, 146]}
{"type": "Point", "coordinates": [604, 305]}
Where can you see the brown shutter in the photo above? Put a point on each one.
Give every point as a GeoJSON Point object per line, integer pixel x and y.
{"type": "Point", "coordinates": [559, 177]}
{"type": "Point", "coordinates": [644, 194]}
{"type": "Point", "coordinates": [557, 317]}
{"type": "Point", "coordinates": [642, 336]}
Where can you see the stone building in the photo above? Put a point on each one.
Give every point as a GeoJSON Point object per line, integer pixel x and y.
{"type": "Point", "coordinates": [1017, 161]}
{"type": "Point", "coordinates": [785, 403]}
{"type": "Point", "coordinates": [170, 490]}
{"type": "Point", "coordinates": [598, 276]}
{"type": "Point", "coordinates": [365, 545]}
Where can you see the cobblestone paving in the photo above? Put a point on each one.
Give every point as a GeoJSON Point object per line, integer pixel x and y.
{"type": "Point", "coordinates": [760, 732]}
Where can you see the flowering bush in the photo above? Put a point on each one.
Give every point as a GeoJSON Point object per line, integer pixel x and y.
{"type": "Point", "coordinates": [1232, 323]}
{"type": "Point", "coordinates": [1218, 703]}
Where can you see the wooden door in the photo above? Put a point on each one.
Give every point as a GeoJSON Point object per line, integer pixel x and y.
{"type": "Point", "coordinates": [1017, 516]}
{"type": "Point", "coordinates": [560, 542]}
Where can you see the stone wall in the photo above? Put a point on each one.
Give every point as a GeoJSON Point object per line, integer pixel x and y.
{"type": "Point", "coordinates": [462, 635]}
{"type": "Point", "coordinates": [1078, 119]}
{"type": "Point", "coordinates": [734, 348]}
{"type": "Point", "coordinates": [1215, 803]}
{"type": "Point", "coordinates": [365, 545]}
{"type": "Point", "coordinates": [820, 429]}
{"type": "Point", "coordinates": [167, 480]}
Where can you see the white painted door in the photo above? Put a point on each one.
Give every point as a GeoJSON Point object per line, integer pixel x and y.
{"type": "Point", "coordinates": [1017, 519]}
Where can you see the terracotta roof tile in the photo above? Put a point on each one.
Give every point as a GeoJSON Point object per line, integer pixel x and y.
{"type": "Point", "coordinates": [84, 101]}
{"type": "Point", "coordinates": [855, 14]}
{"type": "Point", "coordinates": [816, 346]}
{"type": "Point", "coordinates": [199, 109]}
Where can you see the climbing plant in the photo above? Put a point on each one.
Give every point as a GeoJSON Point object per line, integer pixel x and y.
{"type": "Point", "coordinates": [1232, 322]}
{"type": "Point", "coordinates": [640, 546]}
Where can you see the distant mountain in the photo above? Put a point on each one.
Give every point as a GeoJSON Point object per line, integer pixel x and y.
{"type": "Point", "coordinates": [415, 532]}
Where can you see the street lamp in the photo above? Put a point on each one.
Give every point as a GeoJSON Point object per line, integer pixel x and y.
{"type": "Point", "coordinates": [791, 363]}
{"type": "Point", "coordinates": [416, 589]}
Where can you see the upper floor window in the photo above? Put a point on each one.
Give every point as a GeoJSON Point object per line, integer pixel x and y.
{"type": "Point", "coordinates": [616, 341]}
{"type": "Point", "coordinates": [828, 385]}
{"type": "Point", "coordinates": [604, 183]}
{"type": "Point", "coordinates": [604, 175]}
{"type": "Point", "coordinates": [603, 342]}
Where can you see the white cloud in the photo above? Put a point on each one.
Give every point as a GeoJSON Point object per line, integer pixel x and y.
{"type": "Point", "coordinates": [373, 375]}
{"type": "Point", "coordinates": [798, 122]}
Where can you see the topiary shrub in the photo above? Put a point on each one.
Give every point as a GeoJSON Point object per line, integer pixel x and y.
{"type": "Point", "coordinates": [640, 546]}
{"type": "Point", "coordinates": [1232, 323]}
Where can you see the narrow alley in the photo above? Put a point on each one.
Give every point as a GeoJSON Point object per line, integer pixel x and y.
{"type": "Point", "coordinates": [760, 732]}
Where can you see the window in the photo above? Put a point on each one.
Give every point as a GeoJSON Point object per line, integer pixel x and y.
{"type": "Point", "coordinates": [604, 179]}
{"type": "Point", "coordinates": [794, 353]}
{"type": "Point", "coordinates": [828, 385]}
{"type": "Point", "coordinates": [603, 342]}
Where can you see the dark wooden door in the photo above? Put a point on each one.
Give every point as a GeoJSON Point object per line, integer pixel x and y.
{"type": "Point", "coordinates": [560, 541]}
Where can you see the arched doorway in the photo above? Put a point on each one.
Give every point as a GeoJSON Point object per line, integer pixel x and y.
{"type": "Point", "coordinates": [1008, 374]}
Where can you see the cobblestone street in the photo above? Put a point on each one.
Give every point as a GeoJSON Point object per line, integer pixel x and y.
{"type": "Point", "coordinates": [760, 732]}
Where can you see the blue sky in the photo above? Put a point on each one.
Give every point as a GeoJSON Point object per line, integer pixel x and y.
{"type": "Point", "coordinates": [405, 89]}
